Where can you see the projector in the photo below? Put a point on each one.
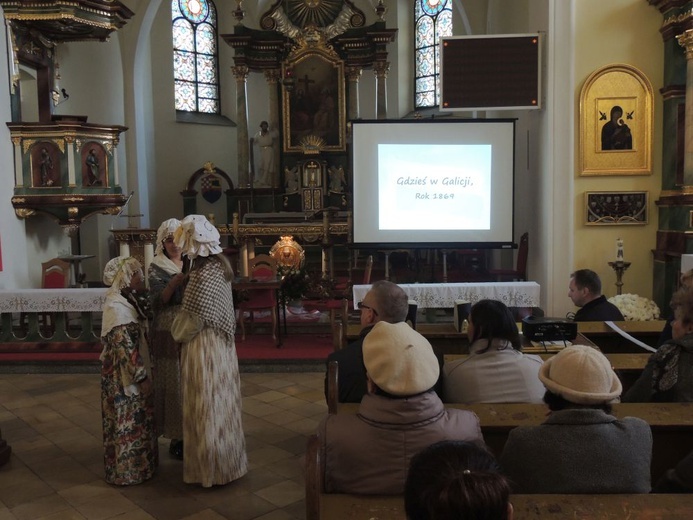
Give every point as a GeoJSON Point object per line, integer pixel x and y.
{"type": "Point", "coordinates": [549, 329]}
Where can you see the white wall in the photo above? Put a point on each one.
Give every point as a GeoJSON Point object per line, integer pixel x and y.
{"type": "Point", "coordinates": [15, 268]}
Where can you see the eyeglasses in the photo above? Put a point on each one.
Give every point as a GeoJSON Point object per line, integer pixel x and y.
{"type": "Point", "coordinates": [362, 306]}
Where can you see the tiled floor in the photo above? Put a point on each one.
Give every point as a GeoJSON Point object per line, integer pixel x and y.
{"type": "Point", "coordinates": [53, 424]}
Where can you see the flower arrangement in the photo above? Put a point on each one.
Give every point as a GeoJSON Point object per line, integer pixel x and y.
{"type": "Point", "coordinates": [636, 308]}
{"type": "Point", "coordinates": [296, 282]}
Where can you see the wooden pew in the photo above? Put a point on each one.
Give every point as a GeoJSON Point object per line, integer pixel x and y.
{"type": "Point", "coordinates": [338, 506]}
{"type": "Point", "coordinates": [610, 341]}
{"type": "Point", "coordinates": [671, 423]}
{"type": "Point", "coordinates": [628, 362]}
{"type": "Point", "coordinates": [628, 366]}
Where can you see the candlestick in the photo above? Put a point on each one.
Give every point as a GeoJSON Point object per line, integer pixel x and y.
{"type": "Point", "coordinates": [619, 250]}
{"type": "Point", "coordinates": [619, 267]}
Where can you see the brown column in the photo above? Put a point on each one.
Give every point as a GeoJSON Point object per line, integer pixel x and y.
{"type": "Point", "coordinates": [381, 70]}
{"type": "Point", "coordinates": [240, 72]}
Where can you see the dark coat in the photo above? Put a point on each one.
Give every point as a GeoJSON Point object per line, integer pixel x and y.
{"type": "Point", "coordinates": [580, 451]}
{"type": "Point", "coordinates": [351, 370]}
{"type": "Point", "coordinates": [599, 309]}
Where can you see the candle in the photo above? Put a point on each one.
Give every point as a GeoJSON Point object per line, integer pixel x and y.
{"type": "Point", "coordinates": [619, 250]}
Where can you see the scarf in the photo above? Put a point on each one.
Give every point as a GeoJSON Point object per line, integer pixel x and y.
{"type": "Point", "coordinates": [166, 264]}
{"type": "Point", "coordinates": [208, 295]}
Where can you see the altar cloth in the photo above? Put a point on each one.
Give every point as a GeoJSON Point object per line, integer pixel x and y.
{"type": "Point", "coordinates": [52, 300]}
{"type": "Point", "coordinates": [444, 295]}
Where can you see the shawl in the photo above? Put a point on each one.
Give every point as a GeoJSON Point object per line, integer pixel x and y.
{"type": "Point", "coordinates": [117, 311]}
{"type": "Point", "coordinates": [166, 264]}
{"type": "Point", "coordinates": [208, 296]}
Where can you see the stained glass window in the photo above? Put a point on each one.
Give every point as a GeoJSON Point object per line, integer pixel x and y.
{"type": "Point", "coordinates": [433, 19]}
{"type": "Point", "coordinates": [195, 64]}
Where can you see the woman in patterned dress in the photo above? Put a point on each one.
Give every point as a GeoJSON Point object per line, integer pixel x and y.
{"type": "Point", "coordinates": [166, 294]}
{"type": "Point", "coordinates": [127, 401]}
{"type": "Point", "coordinates": [214, 451]}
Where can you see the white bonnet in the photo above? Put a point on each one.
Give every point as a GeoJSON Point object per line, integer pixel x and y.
{"type": "Point", "coordinates": [166, 229]}
{"type": "Point", "coordinates": [197, 236]}
{"type": "Point", "coordinates": [119, 270]}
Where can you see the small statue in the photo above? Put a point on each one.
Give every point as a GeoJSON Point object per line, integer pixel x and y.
{"type": "Point", "coordinates": [46, 168]}
{"type": "Point", "coordinates": [337, 180]}
{"type": "Point", "coordinates": [291, 179]}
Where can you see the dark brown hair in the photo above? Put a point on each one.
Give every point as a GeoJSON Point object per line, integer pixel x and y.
{"type": "Point", "coordinates": [455, 479]}
{"type": "Point", "coordinates": [493, 320]}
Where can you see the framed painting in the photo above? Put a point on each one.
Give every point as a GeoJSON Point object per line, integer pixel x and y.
{"type": "Point", "coordinates": [314, 108]}
{"type": "Point", "coordinates": [615, 207]}
{"type": "Point", "coordinates": [616, 117]}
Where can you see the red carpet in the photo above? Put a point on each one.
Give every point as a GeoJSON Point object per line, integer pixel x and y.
{"type": "Point", "coordinates": [308, 347]}
{"type": "Point", "coordinates": [256, 347]}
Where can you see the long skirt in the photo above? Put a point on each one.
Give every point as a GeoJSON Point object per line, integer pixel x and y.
{"type": "Point", "coordinates": [214, 443]}
{"type": "Point", "coordinates": [129, 433]}
{"type": "Point", "coordinates": [167, 387]}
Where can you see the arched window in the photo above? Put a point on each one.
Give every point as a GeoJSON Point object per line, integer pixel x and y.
{"type": "Point", "coordinates": [432, 19]}
{"type": "Point", "coordinates": [195, 63]}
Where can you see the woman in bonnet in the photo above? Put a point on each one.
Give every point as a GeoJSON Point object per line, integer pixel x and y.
{"type": "Point", "coordinates": [166, 294]}
{"type": "Point", "coordinates": [127, 401]}
{"type": "Point", "coordinates": [214, 451]}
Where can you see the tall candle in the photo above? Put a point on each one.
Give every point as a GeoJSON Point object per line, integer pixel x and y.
{"type": "Point", "coordinates": [619, 250]}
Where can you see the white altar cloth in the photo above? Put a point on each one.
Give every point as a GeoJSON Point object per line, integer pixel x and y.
{"type": "Point", "coordinates": [444, 295]}
{"type": "Point", "coordinates": [52, 300]}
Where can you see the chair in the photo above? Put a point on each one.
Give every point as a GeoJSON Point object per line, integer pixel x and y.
{"type": "Point", "coordinates": [520, 272]}
{"type": "Point", "coordinates": [261, 266]}
{"type": "Point", "coordinates": [55, 274]}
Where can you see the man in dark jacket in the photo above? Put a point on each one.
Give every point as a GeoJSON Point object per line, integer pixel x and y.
{"type": "Point", "coordinates": [385, 301]}
{"type": "Point", "coordinates": [585, 290]}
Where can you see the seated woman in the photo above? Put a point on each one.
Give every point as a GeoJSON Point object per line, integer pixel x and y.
{"type": "Point", "coordinates": [496, 371]}
{"type": "Point", "coordinates": [456, 479]}
{"type": "Point", "coordinates": [685, 280]}
{"type": "Point", "coordinates": [668, 376]}
{"type": "Point", "coordinates": [581, 447]}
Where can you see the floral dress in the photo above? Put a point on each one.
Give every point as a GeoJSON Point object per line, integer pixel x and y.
{"type": "Point", "coordinates": [129, 433]}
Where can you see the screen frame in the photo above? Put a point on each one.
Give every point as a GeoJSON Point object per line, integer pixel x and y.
{"type": "Point", "coordinates": [435, 244]}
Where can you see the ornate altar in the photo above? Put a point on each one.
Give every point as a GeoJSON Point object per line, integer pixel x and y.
{"type": "Point", "coordinates": [312, 55]}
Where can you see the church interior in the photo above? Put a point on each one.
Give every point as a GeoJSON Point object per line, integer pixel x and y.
{"type": "Point", "coordinates": [121, 114]}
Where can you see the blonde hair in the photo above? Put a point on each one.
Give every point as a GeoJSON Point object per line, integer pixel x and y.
{"type": "Point", "coordinates": [686, 278]}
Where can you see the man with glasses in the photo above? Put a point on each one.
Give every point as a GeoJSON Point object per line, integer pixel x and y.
{"type": "Point", "coordinates": [385, 301]}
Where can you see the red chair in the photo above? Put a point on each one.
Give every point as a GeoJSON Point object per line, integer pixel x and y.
{"type": "Point", "coordinates": [55, 274]}
{"type": "Point", "coordinates": [261, 266]}
{"type": "Point", "coordinates": [520, 272]}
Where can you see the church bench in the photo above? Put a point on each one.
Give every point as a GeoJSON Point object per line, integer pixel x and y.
{"type": "Point", "coordinates": [671, 424]}
{"type": "Point", "coordinates": [341, 506]}
{"type": "Point", "coordinates": [628, 366]}
{"type": "Point", "coordinates": [628, 362]}
{"type": "Point", "coordinates": [610, 341]}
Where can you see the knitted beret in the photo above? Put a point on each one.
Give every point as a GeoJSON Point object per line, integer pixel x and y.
{"type": "Point", "coordinates": [399, 360]}
{"type": "Point", "coordinates": [581, 375]}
